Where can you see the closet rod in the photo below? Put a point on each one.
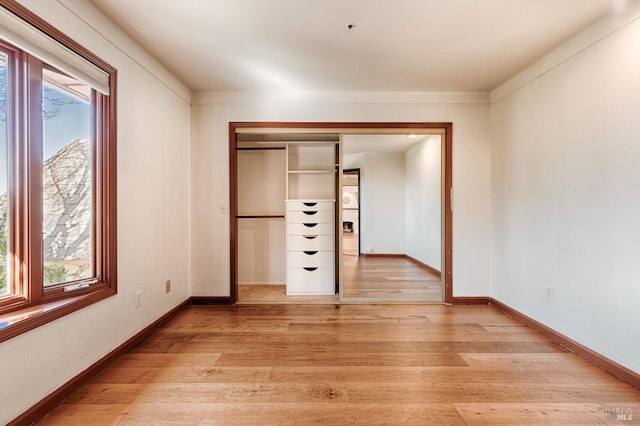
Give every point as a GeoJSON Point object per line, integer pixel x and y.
{"type": "Point", "coordinates": [259, 148]}
{"type": "Point", "coordinates": [269, 216]}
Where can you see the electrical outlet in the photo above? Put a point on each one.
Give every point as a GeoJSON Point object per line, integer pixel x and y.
{"type": "Point", "coordinates": [167, 286]}
{"type": "Point", "coordinates": [138, 299]}
{"type": "Point", "coordinates": [549, 293]}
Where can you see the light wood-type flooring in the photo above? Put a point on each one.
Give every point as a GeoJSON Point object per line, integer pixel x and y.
{"type": "Point", "coordinates": [350, 243]}
{"type": "Point", "coordinates": [388, 279]}
{"type": "Point", "coordinates": [348, 365]}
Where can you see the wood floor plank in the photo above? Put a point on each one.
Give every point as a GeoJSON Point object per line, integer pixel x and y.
{"type": "Point", "coordinates": [294, 346]}
{"type": "Point", "coordinates": [170, 393]}
{"type": "Point", "coordinates": [512, 359]}
{"type": "Point", "coordinates": [488, 392]}
{"type": "Point", "coordinates": [127, 375]}
{"type": "Point", "coordinates": [340, 359]}
{"type": "Point", "coordinates": [464, 374]}
{"type": "Point", "coordinates": [136, 359]}
{"type": "Point", "coordinates": [87, 414]}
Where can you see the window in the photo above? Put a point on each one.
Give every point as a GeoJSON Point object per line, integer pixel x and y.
{"type": "Point", "coordinates": [4, 223]}
{"type": "Point", "coordinates": [57, 174]}
{"type": "Point", "coordinates": [67, 179]}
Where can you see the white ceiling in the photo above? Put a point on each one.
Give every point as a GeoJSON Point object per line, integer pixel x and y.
{"type": "Point", "coordinates": [396, 45]}
{"type": "Point", "coordinates": [356, 144]}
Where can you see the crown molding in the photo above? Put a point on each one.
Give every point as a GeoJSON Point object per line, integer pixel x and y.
{"type": "Point", "coordinates": [301, 97]}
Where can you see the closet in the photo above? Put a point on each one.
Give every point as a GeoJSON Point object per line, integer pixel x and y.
{"type": "Point", "coordinates": [286, 211]}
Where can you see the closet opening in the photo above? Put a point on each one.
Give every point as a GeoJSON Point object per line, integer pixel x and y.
{"type": "Point", "coordinates": [290, 222]}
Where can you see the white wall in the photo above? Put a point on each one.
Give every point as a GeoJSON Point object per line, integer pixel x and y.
{"type": "Point", "coordinates": [424, 201]}
{"type": "Point", "coordinates": [153, 218]}
{"type": "Point", "coordinates": [382, 186]}
{"type": "Point", "coordinates": [565, 181]}
{"type": "Point", "coordinates": [212, 112]}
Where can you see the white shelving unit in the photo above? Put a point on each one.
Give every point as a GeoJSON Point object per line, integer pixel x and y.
{"type": "Point", "coordinates": [310, 218]}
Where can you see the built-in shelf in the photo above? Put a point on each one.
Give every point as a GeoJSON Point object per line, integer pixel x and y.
{"type": "Point", "coordinates": [311, 171]}
{"type": "Point", "coordinates": [311, 195]}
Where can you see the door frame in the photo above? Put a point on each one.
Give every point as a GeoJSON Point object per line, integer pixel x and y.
{"type": "Point", "coordinates": [443, 128]}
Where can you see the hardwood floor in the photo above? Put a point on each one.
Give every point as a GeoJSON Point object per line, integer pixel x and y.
{"type": "Point", "coordinates": [348, 365]}
{"type": "Point", "coordinates": [389, 279]}
{"type": "Point", "coordinates": [350, 243]}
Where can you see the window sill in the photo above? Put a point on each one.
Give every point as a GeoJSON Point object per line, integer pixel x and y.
{"type": "Point", "coordinates": [15, 323]}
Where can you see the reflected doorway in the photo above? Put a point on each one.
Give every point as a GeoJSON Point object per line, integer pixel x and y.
{"type": "Point", "coordinates": [351, 212]}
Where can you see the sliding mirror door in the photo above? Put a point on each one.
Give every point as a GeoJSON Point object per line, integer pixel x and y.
{"type": "Point", "coordinates": [400, 218]}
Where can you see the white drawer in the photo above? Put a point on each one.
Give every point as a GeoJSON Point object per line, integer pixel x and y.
{"type": "Point", "coordinates": [310, 216]}
{"type": "Point", "coordinates": [310, 281]}
{"type": "Point", "coordinates": [309, 205]}
{"type": "Point", "coordinates": [309, 258]}
{"type": "Point", "coordinates": [310, 242]}
{"type": "Point", "coordinates": [312, 228]}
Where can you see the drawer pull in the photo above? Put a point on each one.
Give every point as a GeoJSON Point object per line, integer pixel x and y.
{"type": "Point", "coordinates": [310, 253]}
{"type": "Point", "coordinates": [310, 269]}
{"type": "Point", "coordinates": [310, 204]}
{"type": "Point", "coordinates": [310, 237]}
{"type": "Point", "coordinates": [309, 212]}
{"type": "Point", "coordinates": [310, 225]}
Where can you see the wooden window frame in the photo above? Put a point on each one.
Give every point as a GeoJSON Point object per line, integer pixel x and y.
{"type": "Point", "coordinates": [30, 304]}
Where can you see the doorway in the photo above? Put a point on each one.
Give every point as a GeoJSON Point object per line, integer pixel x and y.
{"type": "Point", "coordinates": [275, 131]}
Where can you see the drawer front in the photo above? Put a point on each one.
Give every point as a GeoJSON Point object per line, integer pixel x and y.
{"type": "Point", "coordinates": [313, 281]}
{"type": "Point", "coordinates": [310, 228]}
{"type": "Point", "coordinates": [310, 258]}
{"type": "Point", "coordinates": [310, 242]}
{"type": "Point", "coordinates": [293, 206]}
{"type": "Point", "coordinates": [310, 216]}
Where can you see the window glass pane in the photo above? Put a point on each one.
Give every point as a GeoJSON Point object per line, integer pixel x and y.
{"type": "Point", "coordinates": [67, 179]}
{"type": "Point", "coordinates": [4, 175]}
